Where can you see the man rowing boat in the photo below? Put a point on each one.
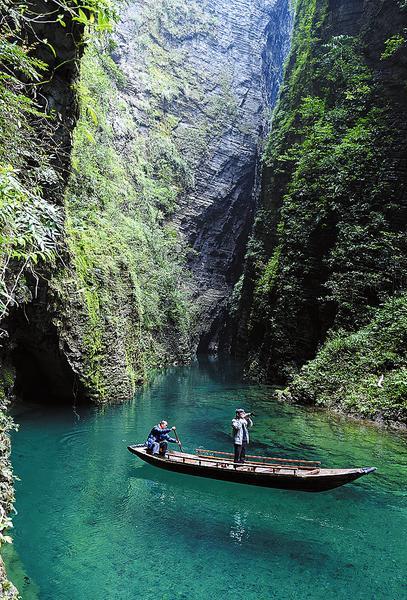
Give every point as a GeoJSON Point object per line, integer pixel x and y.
{"type": "Point", "coordinates": [158, 438]}
{"type": "Point", "coordinates": [240, 425]}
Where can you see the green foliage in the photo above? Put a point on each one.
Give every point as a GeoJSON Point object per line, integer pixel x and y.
{"type": "Point", "coordinates": [6, 474]}
{"type": "Point", "coordinates": [234, 299]}
{"type": "Point", "coordinates": [363, 372]}
{"type": "Point", "coordinates": [329, 244]}
{"type": "Point", "coordinates": [309, 15]}
{"type": "Point", "coordinates": [94, 15]}
{"type": "Point", "coordinates": [30, 230]}
{"type": "Point", "coordinates": [30, 224]}
{"type": "Point", "coordinates": [128, 261]}
{"type": "Point", "coordinates": [392, 45]}
{"type": "Point", "coordinates": [339, 148]}
{"type": "Point", "coordinates": [17, 109]}
{"type": "Point", "coordinates": [267, 281]}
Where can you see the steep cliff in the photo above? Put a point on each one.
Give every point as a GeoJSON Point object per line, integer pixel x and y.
{"type": "Point", "coordinates": [329, 241]}
{"type": "Point", "coordinates": [204, 72]}
{"type": "Point", "coordinates": [139, 254]}
{"type": "Point", "coordinates": [237, 69]}
{"type": "Point", "coordinates": [159, 204]}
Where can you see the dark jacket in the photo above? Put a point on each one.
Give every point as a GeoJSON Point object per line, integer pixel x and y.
{"type": "Point", "coordinates": [157, 434]}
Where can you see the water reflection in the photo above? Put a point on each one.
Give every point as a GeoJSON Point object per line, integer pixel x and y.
{"type": "Point", "coordinates": [238, 531]}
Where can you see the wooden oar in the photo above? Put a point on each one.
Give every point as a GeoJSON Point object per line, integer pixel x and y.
{"type": "Point", "coordinates": [178, 440]}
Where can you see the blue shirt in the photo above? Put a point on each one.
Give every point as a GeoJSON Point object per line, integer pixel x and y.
{"type": "Point", "coordinates": [158, 434]}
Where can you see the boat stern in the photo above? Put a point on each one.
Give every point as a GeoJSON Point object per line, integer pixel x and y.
{"type": "Point", "coordinates": [367, 470]}
{"type": "Point", "coordinates": [362, 471]}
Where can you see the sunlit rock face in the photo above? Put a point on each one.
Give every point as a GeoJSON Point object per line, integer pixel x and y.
{"type": "Point", "coordinates": [205, 74]}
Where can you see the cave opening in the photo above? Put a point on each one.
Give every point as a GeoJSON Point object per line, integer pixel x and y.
{"type": "Point", "coordinates": [42, 372]}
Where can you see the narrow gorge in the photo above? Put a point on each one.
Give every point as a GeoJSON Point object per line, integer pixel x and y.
{"type": "Point", "coordinates": [130, 170]}
{"type": "Point", "coordinates": [173, 108]}
{"type": "Point", "coordinates": [202, 177]}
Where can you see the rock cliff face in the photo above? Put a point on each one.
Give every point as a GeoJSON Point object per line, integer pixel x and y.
{"type": "Point", "coordinates": [37, 119]}
{"type": "Point", "coordinates": [214, 68]}
{"type": "Point", "coordinates": [159, 205]}
{"type": "Point", "coordinates": [329, 243]}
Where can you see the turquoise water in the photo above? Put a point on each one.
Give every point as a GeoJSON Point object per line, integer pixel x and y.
{"type": "Point", "coordinates": [94, 522]}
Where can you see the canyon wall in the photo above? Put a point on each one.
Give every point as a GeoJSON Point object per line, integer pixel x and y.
{"type": "Point", "coordinates": [148, 172]}
{"type": "Point", "coordinates": [38, 58]}
{"type": "Point", "coordinates": [173, 111]}
{"type": "Point", "coordinates": [327, 258]}
{"type": "Point", "coordinates": [206, 75]}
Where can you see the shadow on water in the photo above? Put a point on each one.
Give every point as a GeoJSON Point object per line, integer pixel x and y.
{"type": "Point", "coordinates": [251, 498]}
{"type": "Point", "coordinates": [253, 523]}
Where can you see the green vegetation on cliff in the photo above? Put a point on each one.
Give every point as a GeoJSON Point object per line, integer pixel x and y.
{"type": "Point", "coordinates": [7, 590]}
{"type": "Point", "coordinates": [329, 243]}
{"type": "Point", "coordinates": [31, 152]}
{"type": "Point", "coordinates": [128, 280]}
{"type": "Point", "coordinates": [148, 117]}
{"type": "Point", "coordinates": [363, 372]}
{"type": "Point", "coordinates": [29, 223]}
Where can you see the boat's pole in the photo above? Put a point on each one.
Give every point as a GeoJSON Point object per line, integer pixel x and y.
{"type": "Point", "coordinates": [178, 440]}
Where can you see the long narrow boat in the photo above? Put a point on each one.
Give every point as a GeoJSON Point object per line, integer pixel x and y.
{"type": "Point", "coordinates": [288, 474]}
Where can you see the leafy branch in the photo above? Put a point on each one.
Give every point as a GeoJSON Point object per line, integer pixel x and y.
{"type": "Point", "coordinates": [30, 229]}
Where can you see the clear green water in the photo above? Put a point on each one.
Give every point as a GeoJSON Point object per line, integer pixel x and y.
{"type": "Point", "coordinates": [95, 523]}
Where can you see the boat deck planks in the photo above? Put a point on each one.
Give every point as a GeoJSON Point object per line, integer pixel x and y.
{"type": "Point", "coordinates": [278, 459]}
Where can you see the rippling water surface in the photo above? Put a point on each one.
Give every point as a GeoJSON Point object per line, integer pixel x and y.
{"type": "Point", "coordinates": [94, 522]}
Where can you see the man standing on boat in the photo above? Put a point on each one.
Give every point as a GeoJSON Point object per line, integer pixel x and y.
{"type": "Point", "coordinates": [158, 438]}
{"type": "Point", "coordinates": [240, 425]}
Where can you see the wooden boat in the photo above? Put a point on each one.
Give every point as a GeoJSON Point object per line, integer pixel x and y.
{"type": "Point", "coordinates": [287, 474]}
